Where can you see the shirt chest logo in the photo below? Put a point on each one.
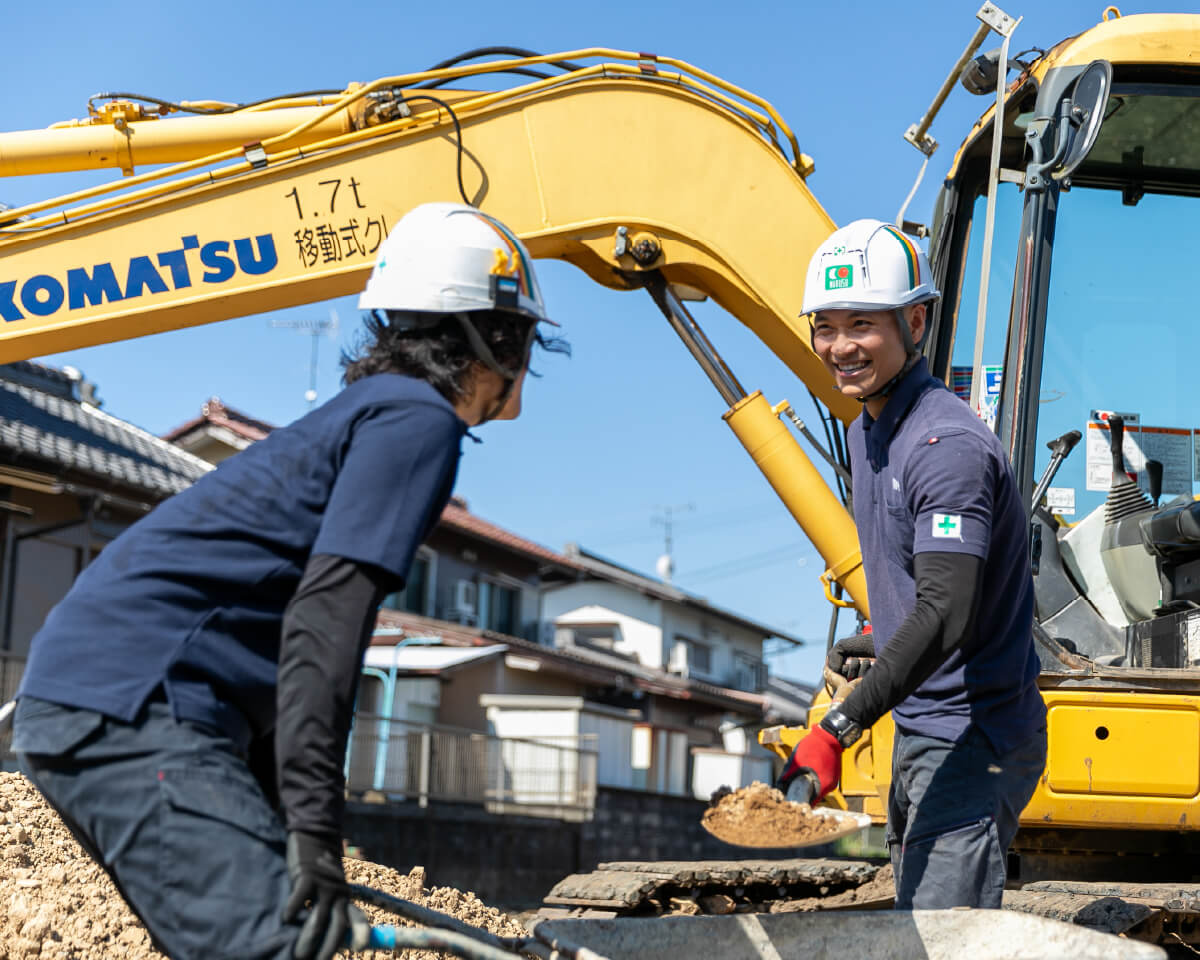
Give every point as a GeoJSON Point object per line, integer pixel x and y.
{"type": "Point", "coordinates": [947, 526]}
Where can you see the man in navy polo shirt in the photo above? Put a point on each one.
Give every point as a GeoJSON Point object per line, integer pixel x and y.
{"type": "Point", "coordinates": [945, 552]}
{"type": "Point", "coordinates": [230, 623]}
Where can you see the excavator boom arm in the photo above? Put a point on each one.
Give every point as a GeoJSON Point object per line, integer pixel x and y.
{"type": "Point", "coordinates": [634, 173]}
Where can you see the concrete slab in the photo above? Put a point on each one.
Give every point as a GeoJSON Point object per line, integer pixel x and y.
{"type": "Point", "coordinates": [867, 935]}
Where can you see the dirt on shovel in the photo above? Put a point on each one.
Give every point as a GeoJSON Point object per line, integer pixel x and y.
{"type": "Point", "coordinates": [759, 816]}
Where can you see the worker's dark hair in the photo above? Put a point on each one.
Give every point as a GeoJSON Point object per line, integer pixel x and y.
{"type": "Point", "coordinates": [433, 347]}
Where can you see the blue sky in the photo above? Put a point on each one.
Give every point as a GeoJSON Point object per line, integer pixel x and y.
{"type": "Point", "coordinates": [629, 424]}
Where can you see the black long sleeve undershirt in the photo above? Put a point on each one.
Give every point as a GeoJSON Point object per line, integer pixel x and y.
{"type": "Point", "coordinates": [326, 628]}
{"type": "Point", "coordinates": [949, 587]}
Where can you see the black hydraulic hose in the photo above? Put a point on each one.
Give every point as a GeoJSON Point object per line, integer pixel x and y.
{"type": "Point", "coordinates": [493, 51]}
{"type": "Point", "coordinates": [462, 192]}
{"type": "Point", "coordinates": [501, 51]}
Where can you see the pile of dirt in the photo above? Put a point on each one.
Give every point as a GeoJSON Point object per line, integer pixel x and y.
{"type": "Point", "coordinates": [759, 816]}
{"type": "Point", "coordinates": [56, 904]}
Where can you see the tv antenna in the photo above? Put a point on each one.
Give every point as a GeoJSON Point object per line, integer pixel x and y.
{"type": "Point", "coordinates": [315, 329]}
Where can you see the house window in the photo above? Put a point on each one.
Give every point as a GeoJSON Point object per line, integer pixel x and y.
{"type": "Point", "coordinates": [598, 636]}
{"type": "Point", "coordinates": [699, 654]}
{"type": "Point", "coordinates": [503, 607]}
{"type": "Point", "coordinates": [749, 673]}
{"type": "Point", "coordinates": [417, 592]}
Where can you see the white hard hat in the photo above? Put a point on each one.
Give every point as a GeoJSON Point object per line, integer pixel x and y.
{"type": "Point", "coordinates": [452, 258]}
{"type": "Point", "coordinates": [867, 265]}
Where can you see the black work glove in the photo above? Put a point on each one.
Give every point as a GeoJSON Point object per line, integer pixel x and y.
{"type": "Point", "coordinates": [318, 880]}
{"type": "Point", "coordinates": [852, 657]}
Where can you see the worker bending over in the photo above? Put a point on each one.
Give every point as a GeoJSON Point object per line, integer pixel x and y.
{"type": "Point", "coordinates": [234, 617]}
{"type": "Point", "coordinates": [946, 557]}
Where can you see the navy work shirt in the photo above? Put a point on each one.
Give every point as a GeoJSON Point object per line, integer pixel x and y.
{"type": "Point", "coordinates": [192, 596]}
{"type": "Point", "coordinates": [929, 476]}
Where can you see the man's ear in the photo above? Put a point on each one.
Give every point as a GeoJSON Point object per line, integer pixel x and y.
{"type": "Point", "coordinates": [917, 319]}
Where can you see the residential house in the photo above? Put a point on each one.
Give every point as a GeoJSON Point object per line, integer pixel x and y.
{"type": "Point", "coordinates": [497, 636]}
{"type": "Point", "coordinates": [218, 433]}
{"type": "Point", "coordinates": [72, 477]}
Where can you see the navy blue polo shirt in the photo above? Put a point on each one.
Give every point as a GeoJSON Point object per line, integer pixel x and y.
{"type": "Point", "coordinates": [192, 596]}
{"type": "Point", "coordinates": [929, 476]}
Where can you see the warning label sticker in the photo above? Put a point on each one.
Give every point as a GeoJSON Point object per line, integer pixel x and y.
{"type": "Point", "coordinates": [1099, 443]}
{"type": "Point", "coordinates": [1172, 447]}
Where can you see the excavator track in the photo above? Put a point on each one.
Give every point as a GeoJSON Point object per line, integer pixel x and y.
{"type": "Point", "coordinates": [1162, 913]}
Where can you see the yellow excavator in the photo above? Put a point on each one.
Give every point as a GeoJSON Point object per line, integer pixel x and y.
{"type": "Point", "coordinates": [1057, 241]}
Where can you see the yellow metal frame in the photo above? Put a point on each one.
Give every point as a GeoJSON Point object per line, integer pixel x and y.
{"type": "Point", "coordinates": [1127, 759]}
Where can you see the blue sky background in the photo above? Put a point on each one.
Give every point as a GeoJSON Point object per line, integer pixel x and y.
{"type": "Point", "coordinates": [629, 424]}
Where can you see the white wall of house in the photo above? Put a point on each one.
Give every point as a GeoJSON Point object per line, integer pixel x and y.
{"type": "Point", "coordinates": [651, 630]}
{"type": "Point", "coordinates": [724, 644]}
{"type": "Point", "coordinates": [638, 617]}
{"type": "Point", "coordinates": [567, 721]}
{"type": "Point", "coordinates": [713, 768]}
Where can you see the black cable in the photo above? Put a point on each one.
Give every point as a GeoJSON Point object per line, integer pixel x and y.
{"type": "Point", "coordinates": [503, 51]}
{"type": "Point", "coordinates": [462, 192]}
{"type": "Point", "coordinates": [566, 65]}
{"type": "Point", "coordinates": [833, 441]}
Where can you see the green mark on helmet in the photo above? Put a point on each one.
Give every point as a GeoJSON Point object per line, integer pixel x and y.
{"type": "Point", "coordinates": [839, 277]}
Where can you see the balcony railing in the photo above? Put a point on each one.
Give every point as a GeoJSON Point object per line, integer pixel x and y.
{"type": "Point", "coordinates": [551, 777]}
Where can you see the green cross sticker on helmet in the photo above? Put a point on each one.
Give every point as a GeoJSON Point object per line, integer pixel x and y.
{"type": "Point", "coordinates": [839, 277]}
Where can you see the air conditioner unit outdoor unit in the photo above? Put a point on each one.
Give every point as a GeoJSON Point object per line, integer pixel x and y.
{"type": "Point", "coordinates": [678, 661]}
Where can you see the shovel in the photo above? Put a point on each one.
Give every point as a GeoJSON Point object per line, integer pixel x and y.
{"type": "Point", "coordinates": [769, 822]}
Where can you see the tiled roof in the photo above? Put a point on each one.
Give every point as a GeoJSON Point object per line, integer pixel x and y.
{"type": "Point", "coordinates": [593, 665]}
{"type": "Point", "coordinates": [218, 414]}
{"type": "Point", "coordinates": [458, 517]}
{"type": "Point", "coordinates": [40, 417]}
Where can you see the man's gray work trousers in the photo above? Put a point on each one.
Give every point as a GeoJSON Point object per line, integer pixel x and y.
{"type": "Point", "coordinates": [952, 814]}
{"type": "Point", "coordinates": [175, 816]}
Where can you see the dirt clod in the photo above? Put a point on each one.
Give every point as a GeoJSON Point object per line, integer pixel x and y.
{"type": "Point", "coordinates": [759, 816]}
{"type": "Point", "coordinates": [56, 904]}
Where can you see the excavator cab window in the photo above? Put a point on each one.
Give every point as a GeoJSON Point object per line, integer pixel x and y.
{"type": "Point", "coordinates": [1004, 247]}
{"type": "Point", "coordinates": [1111, 333]}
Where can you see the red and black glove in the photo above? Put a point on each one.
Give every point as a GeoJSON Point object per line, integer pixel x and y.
{"type": "Point", "coordinates": [817, 760]}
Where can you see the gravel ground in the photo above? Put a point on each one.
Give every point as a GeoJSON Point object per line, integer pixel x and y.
{"type": "Point", "coordinates": [56, 903]}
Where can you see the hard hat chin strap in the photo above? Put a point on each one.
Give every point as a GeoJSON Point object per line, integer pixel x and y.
{"type": "Point", "coordinates": [485, 356]}
{"type": "Point", "coordinates": [911, 355]}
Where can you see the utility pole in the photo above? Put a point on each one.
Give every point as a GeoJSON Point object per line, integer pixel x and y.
{"type": "Point", "coordinates": [316, 329]}
{"type": "Point", "coordinates": [666, 563]}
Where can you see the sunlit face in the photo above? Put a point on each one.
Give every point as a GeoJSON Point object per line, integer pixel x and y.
{"type": "Point", "coordinates": [863, 350]}
{"type": "Point", "coordinates": [512, 406]}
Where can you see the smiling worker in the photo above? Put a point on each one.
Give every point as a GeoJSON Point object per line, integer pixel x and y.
{"type": "Point", "coordinates": [946, 557]}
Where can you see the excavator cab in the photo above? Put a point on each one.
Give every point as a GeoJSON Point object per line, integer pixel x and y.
{"type": "Point", "coordinates": [1086, 327]}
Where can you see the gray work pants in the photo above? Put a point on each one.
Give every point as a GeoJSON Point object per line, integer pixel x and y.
{"type": "Point", "coordinates": [952, 814]}
{"type": "Point", "coordinates": [173, 814]}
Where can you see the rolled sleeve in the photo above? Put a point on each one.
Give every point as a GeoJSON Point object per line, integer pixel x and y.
{"type": "Point", "coordinates": [396, 475]}
{"type": "Point", "coordinates": [950, 483]}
